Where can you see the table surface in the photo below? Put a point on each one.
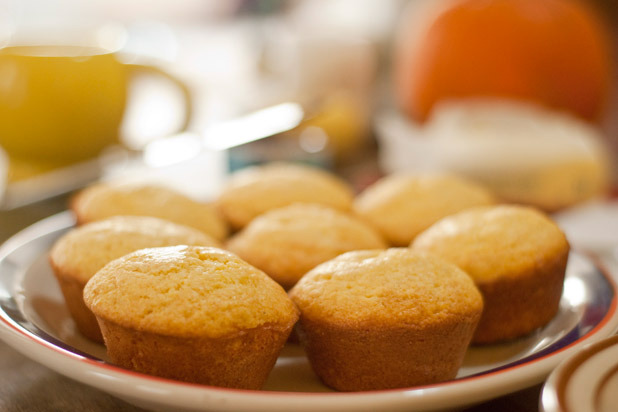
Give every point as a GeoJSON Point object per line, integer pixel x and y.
{"type": "Point", "coordinates": [28, 386]}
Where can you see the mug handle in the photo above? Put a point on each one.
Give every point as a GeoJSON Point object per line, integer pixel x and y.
{"type": "Point", "coordinates": [184, 89]}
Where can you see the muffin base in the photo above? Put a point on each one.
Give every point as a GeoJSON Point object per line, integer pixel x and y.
{"type": "Point", "coordinates": [242, 361]}
{"type": "Point", "coordinates": [73, 292]}
{"type": "Point", "coordinates": [348, 358]}
{"type": "Point", "coordinates": [515, 307]}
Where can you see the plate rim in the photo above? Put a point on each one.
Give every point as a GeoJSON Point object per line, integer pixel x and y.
{"type": "Point", "coordinates": [113, 379]}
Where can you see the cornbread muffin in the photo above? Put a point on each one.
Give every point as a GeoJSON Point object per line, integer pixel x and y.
{"type": "Point", "coordinates": [400, 206]}
{"type": "Point", "coordinates": [516, 255]}
{"type": "Point", "coordinates": [289, 241]}
{"type": "Point", "coordinates": [386, 319]}
{"type": "Point", "coordinates": [190, 313]}
{"type": "Point", "coordinates": [255, 190]}
{"type": "Point", "coordinates": [103, 200]}
{"type": "Point", "coordinates": [81, 252]}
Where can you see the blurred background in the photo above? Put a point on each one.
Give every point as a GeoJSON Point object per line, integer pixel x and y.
{"type": "Point", "coordinates": [521, 95]}
{"type": "Point", "coordinates": [518, 94]}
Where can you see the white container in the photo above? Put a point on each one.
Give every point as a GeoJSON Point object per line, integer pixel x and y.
{"type": "Point", "coordinates": [525, 154]}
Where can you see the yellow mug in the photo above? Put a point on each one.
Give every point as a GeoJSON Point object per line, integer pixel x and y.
{"type": "Point", "coordinates": [64, 104]}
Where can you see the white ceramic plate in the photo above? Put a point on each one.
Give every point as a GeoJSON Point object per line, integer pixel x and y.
{"type": "Point", "coordinates": [587, 381]}
{"type": "Point", "coordinates": [34, 320]}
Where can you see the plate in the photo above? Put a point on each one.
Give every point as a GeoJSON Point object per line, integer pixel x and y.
{"type": "Point", "coordinates": [34, 320]}
{"type": "Point", "coordinates": [587, 381]}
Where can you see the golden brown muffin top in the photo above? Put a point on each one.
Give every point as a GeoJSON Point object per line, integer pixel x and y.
{"type": "Point", "coordinates": [401, 206]}
{"type": "Point", "coordinates": [289, 241]}
{"type": "Point", "coordinates": [84, 250]}
{"type": "Point", "coordinates": [188, 291]}
{"type": "Point", "coordinates": [104, 200]}
{"type": "Point", "coordinates": [255, 190]}
{"type": "Point", "coordinates": [386, 288]}
{"type": "Point", "coordinates": [495, 241]}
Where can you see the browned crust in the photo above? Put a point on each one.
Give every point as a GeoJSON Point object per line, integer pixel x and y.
{"type": "Point", "coordinates": [515, 307]}
{"type": "Point", "coordinates": [73, 292]}
{"type": "Point", "coordinates": [242, 361]}
{"type": "Point", "coordinates": [349, 358]}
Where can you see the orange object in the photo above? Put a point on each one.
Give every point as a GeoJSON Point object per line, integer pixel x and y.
{"type": "Point", "coordinates": [551, 52]}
